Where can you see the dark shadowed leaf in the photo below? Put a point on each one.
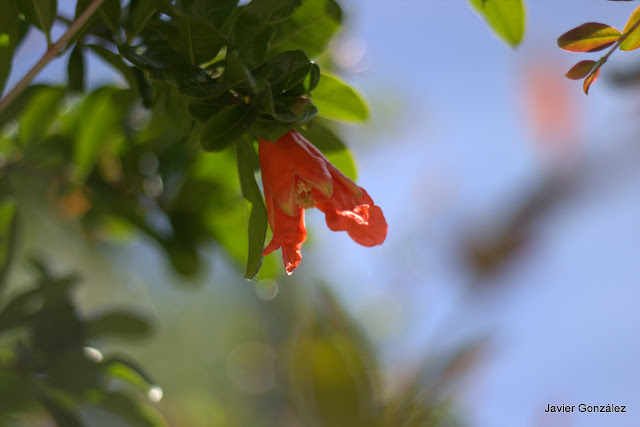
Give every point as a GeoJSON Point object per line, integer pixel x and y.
{"type": "Point", "coordinates": [139, 14]}
{"type": "Point", "coordinates": [257, 15]}
{"type": "Point", "coordinates": [271, 128]}
{"type": "Point", "coordinates": [190, 35]}
{"type": "Point", "coordinates": [9, 30]}
{"type": "Point", "coordinates": [61, 410]}
{"type": "Point", "coordinates": [41, 13]}
{"type": "Point", "coordinates": [132, 75]}
{"type": "Point", "coordinates": [506, 18]}
{"type": "Point", "coordinates": [287, 70]}
{"type": "Point", "coordinates": [631, 32]}
{"type": "Point", "coordinates": [9, 223]}
{"type": "Point", "coordinates": [589, 37]}
{"type": "Point", "coordinates": [227, 126]}
{"type": "Point", "coordinates": [75, 69]}
{"type": "Point", "coordinates": [108, 14]}
{"type": "Point", "coordinates": [580, 70]}
{"type": "Point", "coordinates": [309, 29]}
{"type": "Point", "coordinates": [255, 208]}
{"type": "Point", "coordinates": [118, 324]}
{"type": "Point", "coordinates": [337, 101]}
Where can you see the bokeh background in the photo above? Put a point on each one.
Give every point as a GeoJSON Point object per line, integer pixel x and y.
{"type": "Point", "coordinates": [509, 279]}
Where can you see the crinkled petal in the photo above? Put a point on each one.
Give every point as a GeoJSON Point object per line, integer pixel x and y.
{"type": "Point", "coordinates": [361, 219]}
{"type": "Point", "coordinates": [289, 233]}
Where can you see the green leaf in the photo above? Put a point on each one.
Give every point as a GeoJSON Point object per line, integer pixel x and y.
{"type": "Point", "coordinates": [127, 372]}
{"type": "Point", "coordinates": [222, 12]}
{"type": "Point", "coordinates": [337, 101]}
{"type": "Point", "coordinates": [631, 32]}
{"type": "Point", "coordinates": [9, 227]}
{"type": "Point", "coordinates": [505, 18]}
{"type": "Point", "coordinates": [272, 128]}
{"type": "Point", "coordinates": [204, 110]}
{"type": "Point", "coordinates": [589, 37]}
{"type": "Point", "coordinates": [592, 77]}
{"type": "Point", "coordinates": [193, 36]}
{"type": "Point", "coordinates": [132, 75]}
{"type": "Point", "coordinates": [75, 69]}
{"type": "Point", "coordinates": [61, 410]}
{"type": "Point", "coordinates": [140, 13]}
{"type": "Point", "coordinates": [119, 324]}
{"type": "Point", "coordinates": [310, 28]}
{"type": "Point", "coordinates": [580, 70]}
{"type": "Point", "coordinates": [256, 210]}
{"type": "Point", "coordinates": [39, 115]}
{"type": "Point", "coordinates": [287, 70]}
{"type": "Point", "coordinates": [99, 124]}
{"type": "Point", "coordinates": [255, 17]}
{"type": "Point", "coordinates": [235, 71]}
{"type": "Point", "coordinates": [108, 14]}
{"type": "Point", "coordinates": [41, 13]}
{"type": "Point", "coordinates": [127, 408]}
{"type": "Point", "coordinates": [227, 126]}
{"type": "Point", "coordinates": [9, 31]}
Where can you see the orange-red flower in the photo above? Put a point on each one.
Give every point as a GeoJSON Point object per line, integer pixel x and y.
{"type": "Point", "coordinates": [296, 176]}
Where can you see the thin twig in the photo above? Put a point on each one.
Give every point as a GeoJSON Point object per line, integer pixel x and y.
{"type": "Point", "coordinates": [51, 53]}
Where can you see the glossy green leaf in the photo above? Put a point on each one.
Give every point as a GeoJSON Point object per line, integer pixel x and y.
{"type": "Point", "coordinates": [227, 126]}
{"type": "Point", "coordinates": [75, 69]}
{"type": "Point", "coordinates": [41, 13]}
{"type": "Point", "coordinates": [9, 25]}
{"type": "Point", "coordinates": [254, 205]}
{"type": "Point", "coordinates": [580, 70]}
{"type": "Point", "coordinates": [118, 324]}
{"type": "Point", "coordinates": [99, 124]}
{"type": "Point", "coordinates": [140, 13]}
{"type": "Point", "coordinates": [127, 372]}
{"type": "Point", "coordinates": [258, 51]}
{"type": "Point", "coordinates": [235, 71]}
{"type": "Point", "coordinates": [589, 37]}
{"type": "Point", "coordinates": [255, 17]}
{"type": "Point", "coordinates": [40, 114]}
{"type": "Point", "coordinates": [337, 101]}
{"type": "Point", "coordinates": [190, 35]}
{"type": "Point", "coordinates": [287, 70]}
{"type": "Point", "coordinates": [506, 18]}
{"type": "Point", "coordinates": [309, 29]}
{"type": "Point", "coordinates": [272, 128]}
{"type": "Point", "coordinates": [631, 32]}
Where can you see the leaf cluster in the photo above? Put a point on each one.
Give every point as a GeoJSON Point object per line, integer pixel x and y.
{"type": "Point", "coordinates": [53, 365]}
{"type": "Point", "coordinates": [594, 37]}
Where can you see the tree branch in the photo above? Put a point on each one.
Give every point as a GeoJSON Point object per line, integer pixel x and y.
{"type": "Point", "coordinates": [51, 53]}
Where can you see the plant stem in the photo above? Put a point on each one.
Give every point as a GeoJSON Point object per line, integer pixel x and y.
{"type": "Point", "coordinates": [51, 53]}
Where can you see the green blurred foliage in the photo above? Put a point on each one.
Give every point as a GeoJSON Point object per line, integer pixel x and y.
{"type": "Point", "coordinates": [170, 160]}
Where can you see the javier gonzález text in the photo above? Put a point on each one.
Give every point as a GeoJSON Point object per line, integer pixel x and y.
{"type": "Point", "coordinates": [583, 407]}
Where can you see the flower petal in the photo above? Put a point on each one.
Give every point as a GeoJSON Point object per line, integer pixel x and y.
{"type": "Point", "coordinates": [289, 233]}
{"type": "Point", "coordinates": [361, 219]}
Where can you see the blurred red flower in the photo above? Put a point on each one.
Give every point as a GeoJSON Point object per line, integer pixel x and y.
{"type": "Point", "coordinates": [296, 176]}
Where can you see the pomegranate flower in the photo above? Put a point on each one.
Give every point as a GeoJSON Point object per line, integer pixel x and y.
{"type": "Point", "coordinates": [296, 176]}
